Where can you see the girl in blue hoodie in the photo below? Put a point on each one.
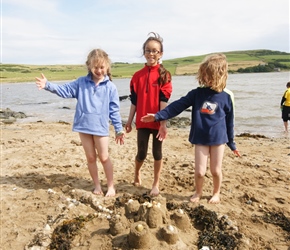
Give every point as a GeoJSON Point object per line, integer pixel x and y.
{"type": "Point", "coordinates": [97, 103]}
{"type": "Point", "coordinates": [212, 123]}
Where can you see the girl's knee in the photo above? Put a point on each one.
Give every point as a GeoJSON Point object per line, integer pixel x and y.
{"type": "Point", "coordinates": [103, 159]}
{"type": "Point", "coordinates": [216, 173]}
{"type": "Point", "coordinates": [140, 159]}
{"type": "Point", "coordinates": [91, 158]}
{"type": "Point", "coordinates": [199, 174]}
{"type": "Point", "coordinates": [141, 156]}
{"type": "Point", "coordinates": [157, 156]}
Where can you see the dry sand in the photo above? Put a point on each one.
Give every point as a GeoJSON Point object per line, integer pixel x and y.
{"type": "Point", "coordinates": [46, 194]}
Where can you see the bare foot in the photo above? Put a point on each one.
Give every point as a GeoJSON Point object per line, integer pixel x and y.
{"type": "Point", "coordinates": [154, 191]}
{"type": "Point", "coordinates": [136, 184]}
{"type": "Point", "coordinates": [195, 198]}
{"type": "Point", "coordinates": [215, 199]}
{"type": "Point", "coordinates": [97, 191]}
{"type": "Point", "coordinates": [111, 192]}
{"type": "Point", "coordinates": [137, 181]}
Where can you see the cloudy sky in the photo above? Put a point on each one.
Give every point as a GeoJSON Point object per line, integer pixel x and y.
{"type": "Point", "coordinates": [64, 31]}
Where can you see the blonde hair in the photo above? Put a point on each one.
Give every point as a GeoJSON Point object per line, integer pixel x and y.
{"type": "Point", "coordinates": [99, 56]}
{"type": "Point", "coordinates": [213, 72]}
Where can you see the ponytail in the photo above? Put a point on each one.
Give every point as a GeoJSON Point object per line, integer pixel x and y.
{"type": "Point", "coordinates": [165, 75]}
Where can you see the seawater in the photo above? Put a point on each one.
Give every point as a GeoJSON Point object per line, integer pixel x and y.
{"type": "Point", "coordinates": [257, 101]}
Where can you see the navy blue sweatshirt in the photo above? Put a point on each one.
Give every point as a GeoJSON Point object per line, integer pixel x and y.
{"type": "Point", "coordinates": [212, 117]}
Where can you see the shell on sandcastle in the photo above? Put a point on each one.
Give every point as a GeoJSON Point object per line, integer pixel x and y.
{"type": "Point", "coordinates": [181, 220]}
{"type": "Point", "coordinates": [170, 234]}
{"type": "Point", "coordinates": [139, 236]}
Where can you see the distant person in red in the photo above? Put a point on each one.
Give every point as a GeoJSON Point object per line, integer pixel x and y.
{"type": "Point", "coordinates": [285, 106]}
{"type": "Point", "coordinates": [150, 89]}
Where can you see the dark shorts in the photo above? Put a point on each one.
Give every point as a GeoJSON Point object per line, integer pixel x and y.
{"type": "Point", "coordinates": [143, 135]}
{"type": "Point", "coordinates": [286, 113]}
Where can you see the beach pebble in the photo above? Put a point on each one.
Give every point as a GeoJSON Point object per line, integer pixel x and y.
{"type": "Point", "coordinates": [50, 191]}
{"type": "Point", "coordinates": [149, 205]}
{"type": "Point", "coordinates": [180, 211]}
{"type": "Point", "coordinates": [70, 206]}
{"type": "Point", "coordinates": [171, 228]}
{"type": "Point", "coordinates": [47, 229]}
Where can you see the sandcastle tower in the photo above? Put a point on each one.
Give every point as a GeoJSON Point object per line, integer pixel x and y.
{"type": "Point", "coordinates": [139, 236]}
{"type": "Point", "coordinates": [181, 220]}
{"type": "Point", "coordinates": [117, 225]}
{"type": "Point", "coordinates": [131, 208]}
{"type": "Point", "coordinates": [170, 234]}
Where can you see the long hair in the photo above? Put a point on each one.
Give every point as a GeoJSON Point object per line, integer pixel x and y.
{"type": "Point", "coordinates": [164, 75]}
{"type": "Point", "coordinates": [213, 72]}
{"type": "Point", "coordinates": [99, 56]}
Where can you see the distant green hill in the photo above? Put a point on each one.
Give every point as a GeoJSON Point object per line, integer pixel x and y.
{"type": "Point", "coordinates": [239, 61]}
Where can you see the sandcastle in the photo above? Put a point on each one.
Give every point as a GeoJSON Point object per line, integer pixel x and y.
{"type": "Point", "coordinates": [148, 218]}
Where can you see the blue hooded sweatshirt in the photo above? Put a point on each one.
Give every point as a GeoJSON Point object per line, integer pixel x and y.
{"type": "Point", "coordinates": [96, 105]}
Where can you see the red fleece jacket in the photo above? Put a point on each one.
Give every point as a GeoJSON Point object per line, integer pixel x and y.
{"type": "Point", "coordinates": [146, 94]}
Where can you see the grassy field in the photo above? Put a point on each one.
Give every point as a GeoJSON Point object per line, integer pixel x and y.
{"type": "Point", "coordinates": [11, 73]}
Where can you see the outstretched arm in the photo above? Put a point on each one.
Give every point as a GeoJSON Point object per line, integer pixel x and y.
{"type": "Point", "coordinates": [40, 82]}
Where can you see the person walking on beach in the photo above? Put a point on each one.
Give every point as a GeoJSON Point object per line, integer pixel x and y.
{"type": "Point", "coordinates": [97, 103]}
{"type": "Point", "coordinates": [285, 107]}
{"type": "Point", "coordinates": [150, 89]}
{"type": "Point", "coordinates": [212, 121]}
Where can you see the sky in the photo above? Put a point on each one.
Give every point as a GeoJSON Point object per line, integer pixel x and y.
{"type": "Point", "coordinates": [48, 32]}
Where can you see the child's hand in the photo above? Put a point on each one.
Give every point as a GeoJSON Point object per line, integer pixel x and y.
{"type": "Point", "coordinates": [162, 132]}
{"type": "Point", "coordinates": [40, 82]}
{"type": "Point", "coordinates": [120, 136]}
{"type": "Point", "coordinates": [128, 127]}
{"type": "Point", "coordinates": [236, 152]}
{"type": "Point", "coordinates": [148, 118]}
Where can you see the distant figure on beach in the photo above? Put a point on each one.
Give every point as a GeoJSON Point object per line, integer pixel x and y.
{"type": "Point", "coordinates": [150, 89]}
{"type": "Point", "coordinates": [212, 121]}
{"type": "Point", "coordinates": [285, 107]}
{"type": "Point", "coordinates": [97, 103]}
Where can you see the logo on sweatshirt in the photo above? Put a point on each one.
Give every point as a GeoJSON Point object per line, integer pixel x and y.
{"type": "Point", "coordinates": [208, 108]}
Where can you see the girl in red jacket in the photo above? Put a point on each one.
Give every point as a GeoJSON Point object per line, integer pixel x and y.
{"type": "Point", "coordinates": [150, 89]}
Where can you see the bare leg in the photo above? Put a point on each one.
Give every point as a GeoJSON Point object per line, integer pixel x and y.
{"type": "Point", "coordinates": [216, 158]}
{"type": "Point", "coordinates": [102, 145]}
{"type": "Point", "coordinates": [201, 158]}
{"type": "Point", "coordinates": [157, 172]}
{"type": "Point", "coordinates": [137, 178]}
{"type": "Point", "coordinates": [286, 126]}
{"type": "Point", "coordinates": [90, 151]}
{"type": "Point", "coordinates": [142, 145]}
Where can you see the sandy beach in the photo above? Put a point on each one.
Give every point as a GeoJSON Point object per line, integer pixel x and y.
{"type": "Point", "coordinates": [46, 199]}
